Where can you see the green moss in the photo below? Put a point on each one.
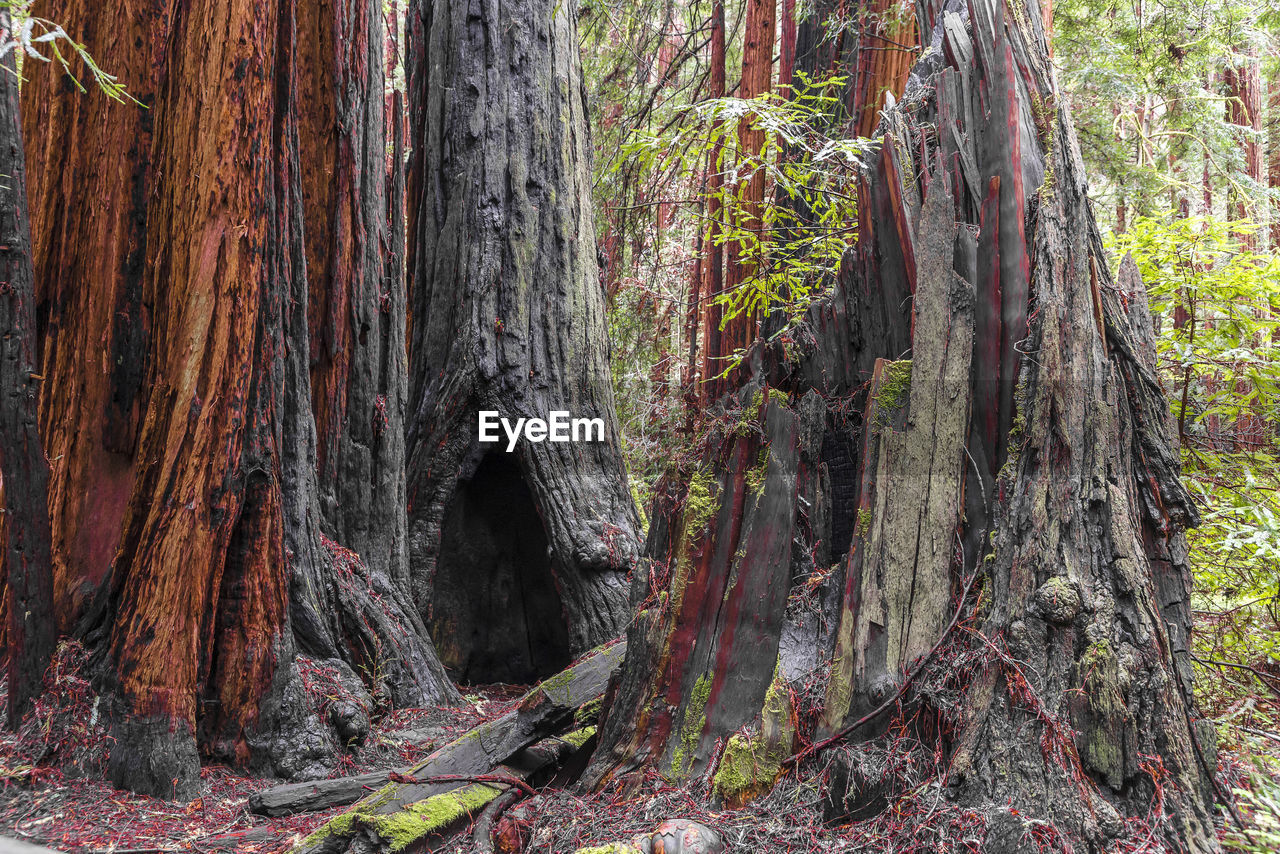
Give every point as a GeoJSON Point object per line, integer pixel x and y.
{"type": "Point", "coordinates": [639, 502]}
{"type": "Point", "coordinates": [588, 712]}
{"type": "Point", "coordinates": [863, 526]}
{"type": "Point", "coordinates": [1104, 730]}
{"type": "Point", "coordinates": [779, 397]}
{"type": "Point", "coordinates": [895, 388]}
{"type": "Point", "coordinates": [611, 848]}
{"type": "Point", "coordinates": [579, 737]}
{"type": "Point", "coordinates": [348, 822]}
{"type": "Point", "coordinates": [756, 474]}
{"type": "Point", "coordinates": [557, 688]}
{"type": "Point", "coordinates": [403, 828]}
{"type": "Point", "coordinates": [691, 727]}
{"type": "Point", "coordinates": [700, 503]}
{"type": "Point", "coordinates": [400, 829]}
{"type": "Point", "coordinates": [750, 764]}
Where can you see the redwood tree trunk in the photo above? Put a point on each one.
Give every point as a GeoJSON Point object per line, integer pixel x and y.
{"type": "Point", "coordinates": [30, 633]}
{"type": "Point", "coordinates": [197, 611]}
{"type": "Point", "coordinates": [1014, 589]}
{"type": "Point", "coordinates": [518, 559]}
{"type": "Point", "coordinates": [359, 610]}
{"type": "Point", "coordinates": [188, 533]}
{"type": "Point", "coordinates": [737, 332]}
{"type": "Point", "coordinates": [90, 261]}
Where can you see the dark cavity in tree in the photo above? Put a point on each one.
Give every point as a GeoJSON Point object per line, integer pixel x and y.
{"type": "Point", "coordinates": [496, 614]}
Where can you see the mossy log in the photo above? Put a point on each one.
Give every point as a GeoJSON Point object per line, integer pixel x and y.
{"type": "Point", "coordinates": [508, 746]}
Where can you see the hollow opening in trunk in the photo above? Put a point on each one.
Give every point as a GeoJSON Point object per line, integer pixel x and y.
{"type": "Point", "coordinates": [496, 615]}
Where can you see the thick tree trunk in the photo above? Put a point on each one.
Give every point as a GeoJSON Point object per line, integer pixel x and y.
{"type": "Point", "coordinates": [90, 261]}
{"type": "Point", "coordinates": [202, 550]}
{"type": "Point", "coordinates": [196, 619]}
{"type": "Point", "coordinates": [30, 632]}
{"type": "Point", "coordinates": [518, 559]}
{"type": "Point", "coordinates": [356, 312]}
{"type": "Point", "coordinates": [356, 608]}
{"type": "Point", "coordinates": [1015, 586]}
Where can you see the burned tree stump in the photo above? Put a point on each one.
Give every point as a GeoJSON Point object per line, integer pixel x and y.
{"type": "Point", "coordinates": [999, 457]}
{"type": "Point", "coordinates": [519, 559]}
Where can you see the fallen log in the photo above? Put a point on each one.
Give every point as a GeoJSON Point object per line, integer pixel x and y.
{"type": "Point", "coordinates": [463, 777]}
{"type": "Point", "coordinates": [542, 711]}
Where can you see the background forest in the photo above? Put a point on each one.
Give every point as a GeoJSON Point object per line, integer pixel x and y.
{"type": "Point", "coordinates": [727, 143]}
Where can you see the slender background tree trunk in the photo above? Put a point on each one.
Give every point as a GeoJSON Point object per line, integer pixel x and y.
{"type": "Point", "coordinates": [30, 632]}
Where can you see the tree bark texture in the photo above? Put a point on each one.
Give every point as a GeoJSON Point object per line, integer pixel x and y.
{"type": "Point", "coordinates": [90, 175]}
{"type": "Point", "coordinates": [704, 645]}
{"type": "Point", "coordinates": [350, 582]}
{"type": "Point", "coordinates": [712, 284]}
{"type": "Point", "coordinates": [887, 38]}
{"type": "Point", "coordinates": [356, 310]}
{"type": "Point", "coordinates": [30, 632]}
{"type": "Point", "coordinates": [1003, 501]}
{"type": "Point", "coordinates": [735, 333]}
{"type": "Point", "coordinates": [518, 559]}
{"type": "Point", "coordinates": [186, 508]}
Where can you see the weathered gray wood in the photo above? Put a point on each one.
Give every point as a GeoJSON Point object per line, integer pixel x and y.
{"type": "Point", "coordinates": [898, 597]}
{"type": "Point", "coordinates": [543, 711]}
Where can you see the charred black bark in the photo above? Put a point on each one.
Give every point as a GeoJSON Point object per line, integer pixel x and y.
{"type": "Point", "coordinates": [508, 316]}
{"type": "Point", "coordinates": [25, 557]}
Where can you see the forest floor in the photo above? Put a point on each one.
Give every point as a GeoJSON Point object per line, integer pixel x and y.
{"type": "Point", "coordinates": [52, 792]}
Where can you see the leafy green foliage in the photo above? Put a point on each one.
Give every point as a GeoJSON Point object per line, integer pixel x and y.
{"type": "Point", "coordinates": [1144, 83]}
{"type": "Point", "coordinates": [792, 243]}
{"type": "Point", "coordinates": [31, 36]}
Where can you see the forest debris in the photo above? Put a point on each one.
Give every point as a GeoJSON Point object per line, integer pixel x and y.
{"type": "Point", "coordinates": [464, 776]}
{"type": "Point", "coordinates": [674, 836]}
{"type": "Point", "coordinates": [539, 713]}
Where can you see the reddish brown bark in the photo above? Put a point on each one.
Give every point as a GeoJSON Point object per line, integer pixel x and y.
{"type": "Point", "coordinates": [193, 434]}
{"type": "Point", "coordinates": [203, 532]}
{"type": "Point", "coordinates": [26, 579]}
{"type": "Point", "coordinates": [787, 45]}
{"type": "Point", "coordinates": [886, 52]}
{"type": "Point", "coordinates": [90, 257]}
{"type": "Point", "coordinates": [1244, 110]}
{"type": "Point", "coordinates": [712, 284]}
{"type": "Point", "coordinates": [737, 332]}
{"type": "Point", "coordinates": [1273, 154]}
